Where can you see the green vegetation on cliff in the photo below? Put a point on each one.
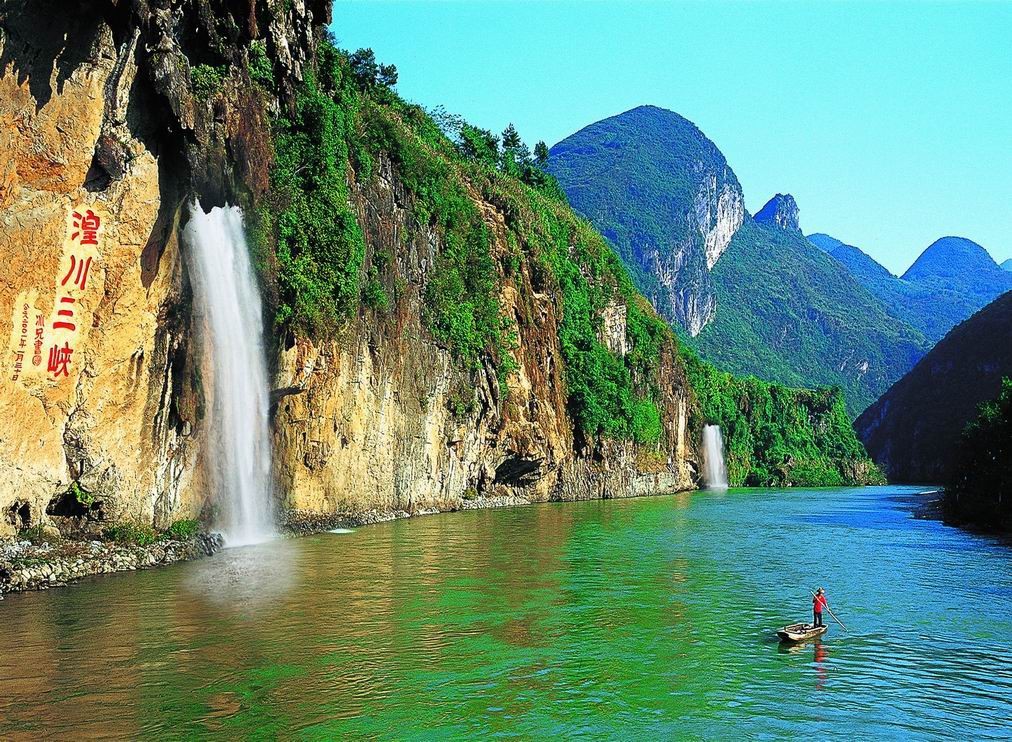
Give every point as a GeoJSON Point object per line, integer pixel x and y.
{"type": "Point", "coordinates": [347, 121]}
{"type": "Point", "coordinates": [776, 435]}
{"type": "Point", "coordinates": [981, 492]}
{"type": "Point", "coordinates": [602, 387]}
{"type": "Point", "coordinates": [309, 244]}
{"type": "Point", "coordinates": [314, 259]}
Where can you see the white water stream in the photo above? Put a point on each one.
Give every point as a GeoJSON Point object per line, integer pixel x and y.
{"type": "Point", "coordinates": [228, 310]}
{"type": "Point", "coordinates": [714, 469]}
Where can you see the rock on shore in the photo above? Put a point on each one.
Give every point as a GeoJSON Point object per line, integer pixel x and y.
{"type": "Point", "coordinates": [28, 566]}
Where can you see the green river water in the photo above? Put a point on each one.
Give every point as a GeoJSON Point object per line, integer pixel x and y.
{"type": "Point", "coordinates": [646, 618]}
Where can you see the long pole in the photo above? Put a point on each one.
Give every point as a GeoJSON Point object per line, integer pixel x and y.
{"type": "Point", "coordinates": [830, 611]}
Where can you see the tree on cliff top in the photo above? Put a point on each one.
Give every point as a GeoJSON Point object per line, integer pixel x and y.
{"type": "Point", "coordinates": [369, 73]}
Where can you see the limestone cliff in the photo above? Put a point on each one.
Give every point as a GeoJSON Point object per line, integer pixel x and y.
{"type": "Point", "coordinates": [105, 136]}
{"type": "Point", "coordinates": [121, 112]}
{"type": "Point", "coordinates": [371, 422]}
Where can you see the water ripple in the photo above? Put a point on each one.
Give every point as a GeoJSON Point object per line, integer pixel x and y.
{"type": "Point", "coordinates": [617, 619]}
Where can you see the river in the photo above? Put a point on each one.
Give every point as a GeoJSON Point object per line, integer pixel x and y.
{"type": "Point", "coordinates": [652, 617]}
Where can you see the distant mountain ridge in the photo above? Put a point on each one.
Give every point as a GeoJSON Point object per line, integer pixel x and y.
{"type": "Point", "coordinates": [950, 258]}
{"type": "Point", "coordinates": [913, 431]}
{"type": "Point", "coordinates": [753, 295]}
{"type": "Point", "coordinates": [789, 312]}
{"type": "Point", "coordinates": [1007, 265]}
{"type": "Point", "coordinates": [824, 242]}
{"type": "Point", "coordinates": [949, 281]}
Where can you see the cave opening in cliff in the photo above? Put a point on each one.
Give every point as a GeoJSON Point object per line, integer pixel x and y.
{"type": "Point", "coordinates": [19, 515]}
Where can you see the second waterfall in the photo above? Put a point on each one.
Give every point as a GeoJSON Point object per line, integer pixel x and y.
{"type": "Point", "coordinates": [228, 310]}
{"type": "Point", "coordinates": [714, 468]}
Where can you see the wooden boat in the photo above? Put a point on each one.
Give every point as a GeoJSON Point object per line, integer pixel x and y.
{"type": "Point", "coordinates": [800, 632]}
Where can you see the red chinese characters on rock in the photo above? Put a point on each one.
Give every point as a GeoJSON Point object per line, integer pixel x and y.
{"type": "Point", "coordinates": [86, 224]}
{"type": "Point", "coordinates": [65, 311]}
{"type": "Point", "coordinates": [59, 360]}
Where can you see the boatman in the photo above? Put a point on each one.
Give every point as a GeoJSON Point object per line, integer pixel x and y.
{"type": "Point", "coordinates": [818, 603]}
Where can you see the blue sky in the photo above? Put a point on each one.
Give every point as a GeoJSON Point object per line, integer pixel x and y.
{"type": "Point", "coordinates": [891, 124]}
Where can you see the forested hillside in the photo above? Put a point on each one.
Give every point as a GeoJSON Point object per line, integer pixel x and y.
{"type": "Point", "coordinates": [751, 295]}
{"type": "Point", "coordinates": [776, 435]}
{"type": "Point", "coordinates": [950, 281]}
{"type": "Point", "coordinates": [663, 195]}
{"type": "Point", "coordinates": [788, 312]}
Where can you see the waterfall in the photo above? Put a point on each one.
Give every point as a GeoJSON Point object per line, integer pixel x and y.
{"type": "Point", "coordinates": [227, 306]}
{"type": "Point", "coordinates": [714, 470]}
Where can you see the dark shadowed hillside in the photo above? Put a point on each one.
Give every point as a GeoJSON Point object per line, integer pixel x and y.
{"type": "Point", "coordinates": [981, 489]}
{"type": "Point", "coordinates": [913, 431]}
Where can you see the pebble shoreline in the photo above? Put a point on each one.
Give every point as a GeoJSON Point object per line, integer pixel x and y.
{"type": "Point", "coordinates": [26, 566]}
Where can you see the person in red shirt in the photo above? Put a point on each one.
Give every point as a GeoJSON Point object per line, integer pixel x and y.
{"type": "Point", "coordinates": [818, 603]}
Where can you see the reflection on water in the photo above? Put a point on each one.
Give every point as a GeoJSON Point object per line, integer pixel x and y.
{"type": "Point", "coordinates": [244, 577]}
{"type": "Point", "coordinates": [651, 617]}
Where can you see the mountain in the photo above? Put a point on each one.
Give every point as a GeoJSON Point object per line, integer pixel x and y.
{"type": "Point", "coordinates": [954, 259]}
{"type": "Point", "coordinates": [933, 313]}
{"type": "Point", "coordinates": [951, 280]}
{"type": "Point", "coordinates": [824, 242]}
{"type": "Point", "coordinates": [789, 312]}
{"type": "Point", "coordinates": [663, 195]}
{"type": "Point", "coordinates": [780, 211]}
{"type": "Point", "coordinates": [961, 271]}
{"type": "Point", "coordinates": [752, 295]}
{"type": "Point", "coordinates": [1007, 265]}
{"type": "Point", "coordinates": [913, 431]}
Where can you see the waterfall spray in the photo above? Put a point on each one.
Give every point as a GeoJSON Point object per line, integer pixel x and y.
{"type": "Point", "coordinates": [714, 470]}
{"type": "Point", "coordinates": [227, 306]}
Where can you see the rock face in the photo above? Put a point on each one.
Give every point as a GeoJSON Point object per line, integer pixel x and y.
{"type": "Point", "coordinates": [117, 116]}
{"type": "Point", "coordinates": [95, 376]}
{"type": "Point", "coordinates": [649, 162]}
{"type": "Point", "coordinates": [913, 431]}
{"type": "Point", "coordinates": [781, 211]}
{"type": "Point", "coordinates": [383, 419]}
